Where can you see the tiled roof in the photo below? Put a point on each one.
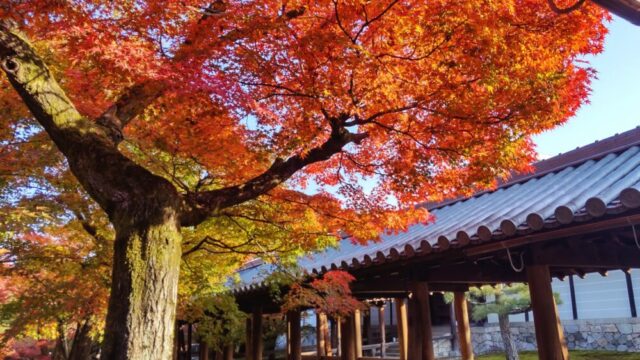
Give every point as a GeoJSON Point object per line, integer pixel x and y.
{"type": "Point", "coordinates": [589, 182]}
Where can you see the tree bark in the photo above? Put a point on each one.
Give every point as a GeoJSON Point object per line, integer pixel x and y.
{"type": "Point", "coordinates": [510, 349]}
{"type": "Point", "coordinates": [82, 342]}
{"type": "Point", "coordinates": [141, 317]}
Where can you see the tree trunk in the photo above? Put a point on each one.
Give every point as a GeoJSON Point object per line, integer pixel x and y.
{"type": "Point", "coordinates": [141, 316]}
{"type": "Point", "coordinates": [510, 349]}
{"type": "Point", "coordinates": [82, 342]}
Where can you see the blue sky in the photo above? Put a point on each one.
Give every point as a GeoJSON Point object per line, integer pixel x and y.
{"type": "Point", "coordinates": [615, 97]}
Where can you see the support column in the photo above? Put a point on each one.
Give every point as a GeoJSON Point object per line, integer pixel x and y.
{"type": "Point", "coordinates": [549, 332]}
{"type": "Point", "coordinates": [256, 325]}
{"type": "Point", "coordinates": [204, 351]}
{"type": "Point", "coordinates": [321, 335]}
{"type": "Point", "coordinates": [383, 335]}
{"type": "Point", "coordinates": [328, 349]}
{"type": "Point", "coordinates": [422, 319]}
{"type": "Point", "coordinates": [347, 344]}
{"type": "Point", "coordinates": [357, 333]}
{"type": "Point", "coordinates": [403, 328]}
{"type": "Point", "coordinates": [462, 320]}
{"type": "Point", "coordinates": [248, 344]}
{"type": "Point", "coordinates": [189, 339]}
{"type": "Point", "coordinates": [227, 352]}
{"type": "Point", "coordinates": [294, 336]}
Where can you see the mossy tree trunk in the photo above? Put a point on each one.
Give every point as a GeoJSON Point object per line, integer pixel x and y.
{"type": "Point", "coordinates": [143, 208]}
{"type": "Point", "coordinates": [144, 290]}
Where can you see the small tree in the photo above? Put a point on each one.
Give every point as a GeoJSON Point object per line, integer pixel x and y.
{"type": "Point", "coordinates": [502, 300]}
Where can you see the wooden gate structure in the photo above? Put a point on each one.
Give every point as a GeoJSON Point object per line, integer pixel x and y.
{"type": "Point", "coordinates": [576, 214]}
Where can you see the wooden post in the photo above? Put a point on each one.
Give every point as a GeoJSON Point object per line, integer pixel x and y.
{"type": "Point", "coordinates": [257, 346]}
{"type": "Point", "coordinates": [357, 333]}
{"type": "Point", "coordinates": [403, 331]}
{"type": "Point", "coordinates": [424, 335]}
{"type": "Point", "coordinates": [383, 335]}
{"type": "Point", "coordinates": [227, 352]}
{"type": "Point", "coordinates": [549, 333]}
{"type": "Point", "coordinates": [366, 327]}
{"type": "Point", "coordinates": [462, 320]}
{"type": "Point", "coordinates": [248, 344]}
{"type": "Point", "coordinates": [414, 338]}
{"type": "Point", "coordinates": [328, 349]}
{"type": "Point", "coordinates": [204, 351]}
{"type": "Point", "coordinates": [347, 344]}
{"type": "Point", "coordinates": [321, 329]}
{"type": "Point", "coordinates": [339, 336]}
{"type": "Point", "coordinates": [189, 339]}
{"type": "Point", "coordinates": [294, 338]}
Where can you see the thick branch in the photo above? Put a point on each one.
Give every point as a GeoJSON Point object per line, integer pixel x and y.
{"type": "Point", "coordinates": [131, 104]}
{"type": "Point", "coordinates": [108, 176]}
{"type": "Point", "coordinates": [201, 205]}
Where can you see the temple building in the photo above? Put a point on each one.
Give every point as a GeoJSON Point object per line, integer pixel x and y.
{"type": "Point", "coordinates": [571, 227]}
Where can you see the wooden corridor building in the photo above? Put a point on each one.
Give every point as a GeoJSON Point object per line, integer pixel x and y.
{"type": "Point", "coordinates": [576, 214]}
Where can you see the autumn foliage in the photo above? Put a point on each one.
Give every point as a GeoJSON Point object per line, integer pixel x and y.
{"type": "Point", "coordinates": [232, 129]}
{"type": "Point", "coordinates": [329, 294]}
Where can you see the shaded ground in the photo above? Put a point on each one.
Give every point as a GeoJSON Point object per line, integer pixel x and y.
{"type": "Point", "coordinates": [575, 355]}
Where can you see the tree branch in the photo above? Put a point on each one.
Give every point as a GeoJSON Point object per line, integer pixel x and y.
{"type": "Point", "coordinates": [109, 177]}
{"type": "Point", "coordinates": [201, 205]}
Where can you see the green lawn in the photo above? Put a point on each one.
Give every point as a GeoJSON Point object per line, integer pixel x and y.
{"type": "Point", "coordinates": [575, 355]}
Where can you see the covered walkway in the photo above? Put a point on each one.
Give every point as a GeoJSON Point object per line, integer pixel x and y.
{"type": "Point", "coordinates": [575, 215]}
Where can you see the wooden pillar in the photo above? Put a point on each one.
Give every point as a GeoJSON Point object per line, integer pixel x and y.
{"type": "Point", "coordinates": [383, 335]}
{"type": "Point", "coordinates": [321, 335]}
{"type": "Point", "coordinates": [347, 344]}
{"type": "Point", "coordinates": [227, 352]}
{"type": "Point", "coordinates": [549, 333]}
{"type": "Point", "coordinates": [366, 327]}
{"type": "Point", "coordinates": [422, 319]}
{"type": "Point", "coordinates": [403, 330]}
{"type": "Point", "coordinates": [357, 332]}
{"type": "Point", "coordinates": [204, 351]}
{"type": "Point", "coordinates": [257, 345]}
{"type": "Point", "coordinates": [189, 339]}
{"type": "Point", "coordinates": [462, 320]}
{"type": "Point", "coordinates": [328, 349]}
{"type": "Point", "coordinates": [248, 344]}
{"type": "Point", "coordinates": [414, 340]}
{"type": "Point", "coordinates": [294, 336]}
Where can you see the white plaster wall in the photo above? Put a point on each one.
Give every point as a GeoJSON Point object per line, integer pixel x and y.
{"type": "Point", "coordinates": [599, 297]}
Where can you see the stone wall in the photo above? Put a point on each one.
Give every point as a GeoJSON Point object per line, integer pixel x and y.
{"type": "Point", "coordinates": [601, 334]}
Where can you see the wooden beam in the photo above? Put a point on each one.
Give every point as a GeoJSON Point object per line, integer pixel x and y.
{"type": "Point", "coordinates": [462, 322]}
{"type": "Point", "coordinates": [403, 330]}
{"type": "Point", "coordinates": [466, 272]}
{"type": "Point", "coordinates": [256, 325]}
{"type": "Point", "coordinates": [549, 332]}
{"type": "Point", "coordinates": [581, 254]}
{"type": "Point", "coordinates": [564, 232]}
{"type": "Point", "coordinates": [357, 333]}
{"type": "Point", "coordinates": [294, 335]}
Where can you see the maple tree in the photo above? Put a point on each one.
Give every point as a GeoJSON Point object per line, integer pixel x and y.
{"type": "Point", "coordinates": [287, 121]}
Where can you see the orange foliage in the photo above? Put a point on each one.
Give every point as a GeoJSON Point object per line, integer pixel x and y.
{"type": "Point", "coordinates": [329, 294]}
{"type": "Point", "coordinates": [445, 94]}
